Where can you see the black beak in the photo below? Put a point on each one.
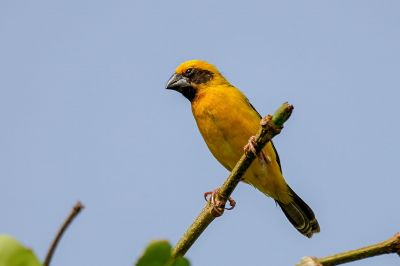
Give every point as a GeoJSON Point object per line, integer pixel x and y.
{"type": "Point", "coordinates": [177, 82]}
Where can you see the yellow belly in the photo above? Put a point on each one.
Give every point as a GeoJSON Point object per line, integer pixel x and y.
{"type": "Point", "coordinates": [226, 122]}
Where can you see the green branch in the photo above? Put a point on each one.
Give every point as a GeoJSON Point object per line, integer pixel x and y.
{"type": "Point", "coordinates": [392, 245]}
{"type": "Point", "coordinates": [270, 126]}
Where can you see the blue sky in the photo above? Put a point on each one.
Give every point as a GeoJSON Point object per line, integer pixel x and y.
{"type": "Point", "coordinates": [84, 115]}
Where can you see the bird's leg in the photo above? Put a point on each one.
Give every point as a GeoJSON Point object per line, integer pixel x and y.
{"type": "Point", "coordinates": [218, 205]}
{"type": "Point", "coordinates": [249, 147]}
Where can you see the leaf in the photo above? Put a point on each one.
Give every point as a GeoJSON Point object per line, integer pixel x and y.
{"type": "Point", "coordinates": [181, 262]}
{"type": "Point", "coordinates": [158, 253]}
{"type": "Point", "coordinates": [13, 253]}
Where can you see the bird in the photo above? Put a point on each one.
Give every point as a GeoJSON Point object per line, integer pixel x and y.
{"type": "Point", "coordinates": [227, 120]}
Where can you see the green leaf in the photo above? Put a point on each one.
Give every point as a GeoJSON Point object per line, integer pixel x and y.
{"type": "Point", "coordinates": [181, 262]}
{"type": "Point", "coordinates": [158, 253]}
{"type": "Point", "coordinates": [13, 253]}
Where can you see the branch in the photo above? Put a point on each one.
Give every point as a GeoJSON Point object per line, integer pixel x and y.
{"type": "Point", "coordinates": [270, 126]}
{"type": "Point", "coordinates": [74, 212]}
{"type": "Point", "coordinates": [392, 245]}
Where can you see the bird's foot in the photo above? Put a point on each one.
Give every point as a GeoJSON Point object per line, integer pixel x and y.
{"type": "Point", "coordinates": [218, 205]}
{"type": "Point", "coordinates": [249, 147]}
{"type": "Point", "coordinates": [265, 120]}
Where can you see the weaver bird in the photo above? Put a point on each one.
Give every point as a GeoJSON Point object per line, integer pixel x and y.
{"type": "Point", "coordinates": [227, 120]}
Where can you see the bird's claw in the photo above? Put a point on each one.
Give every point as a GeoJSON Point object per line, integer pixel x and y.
{"type": "Point", "coordinates": [249, 147]}
{"type": "Point", "coordinates": [218, 205]}
{"type": "Point", "coordinates": [265, 120]}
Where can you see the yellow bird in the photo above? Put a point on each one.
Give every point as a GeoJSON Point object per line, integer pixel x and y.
{"type": "Point", "coordinates": [227, 120]}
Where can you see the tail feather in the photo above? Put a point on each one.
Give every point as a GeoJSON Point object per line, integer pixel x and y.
{"type": "Point", "coordinates": [300, 215]}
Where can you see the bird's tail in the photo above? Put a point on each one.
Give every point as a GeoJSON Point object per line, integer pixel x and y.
{"type": "Point", "coordinates": [300, 215]}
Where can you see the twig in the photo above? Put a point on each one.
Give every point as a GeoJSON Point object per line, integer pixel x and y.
{"type": "Point", "coordinates": [392, 245]}
{"type": "Point", "coordinates": [270, 126]}
{"type": "Point", "coordinates": [74, 212]}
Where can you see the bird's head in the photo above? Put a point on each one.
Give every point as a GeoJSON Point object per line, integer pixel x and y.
{"type": "Point", "coordinates": [193, 76]}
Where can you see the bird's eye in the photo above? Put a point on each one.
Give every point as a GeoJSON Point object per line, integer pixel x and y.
{"type": "Point", "coordinates": [188, 71]}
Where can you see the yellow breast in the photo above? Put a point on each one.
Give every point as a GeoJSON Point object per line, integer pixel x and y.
{"type": "Point", "coordinates": [224, 123]}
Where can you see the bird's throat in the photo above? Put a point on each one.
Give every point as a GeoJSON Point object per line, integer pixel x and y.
{"type": "Point", "coordinates": [189, 93]}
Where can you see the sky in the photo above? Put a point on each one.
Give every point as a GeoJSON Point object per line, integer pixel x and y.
{"type": "Point", "coordinates": [84, 116]}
